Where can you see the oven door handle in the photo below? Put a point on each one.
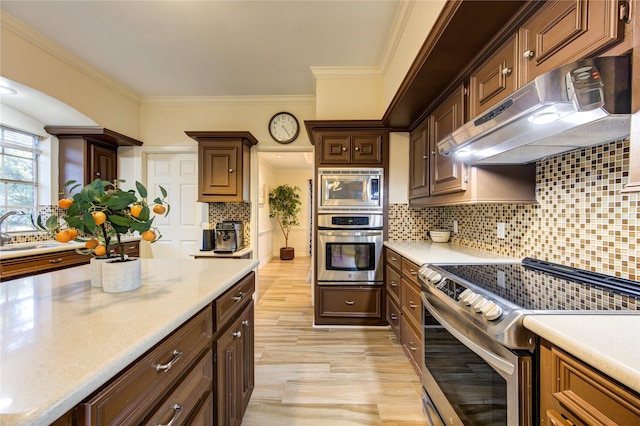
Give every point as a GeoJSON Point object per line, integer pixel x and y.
{"type": "Point", "coordinates": [350, 233]}
{"type": "Point", "coordinates": [493, 359]}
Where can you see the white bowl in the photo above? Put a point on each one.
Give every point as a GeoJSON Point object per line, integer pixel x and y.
{"type": "Point", "coordinates": [439, 235]}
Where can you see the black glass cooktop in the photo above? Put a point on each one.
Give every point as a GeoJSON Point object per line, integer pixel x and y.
{"type": "Point", "coordinates": [539, 285]}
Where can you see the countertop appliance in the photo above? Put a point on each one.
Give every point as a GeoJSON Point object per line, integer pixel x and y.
{"type": "Point", "coordinates": [229, 236]}
{"type": "Point", "coordinates": [350, 249]}
{"type": "Point", "coordinates": [473, 316]}
{"type": "Point", "coordinates": [577, 105]}
{"type": "Point", "coordinates": [350, 190]}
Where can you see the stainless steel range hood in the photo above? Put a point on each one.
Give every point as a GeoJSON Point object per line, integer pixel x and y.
{"type": "Point", "coordinates": [578, 105]}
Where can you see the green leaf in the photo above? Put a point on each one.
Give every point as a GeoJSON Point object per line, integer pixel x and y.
{"type": "Point", "coordinates": [119, 220]}
{"type": "Point", "coordinates": [141, 189]}
{"type": "Point", "coordinates": [52, 222]}
{"type": "Point", "coordinates": [163, 191]}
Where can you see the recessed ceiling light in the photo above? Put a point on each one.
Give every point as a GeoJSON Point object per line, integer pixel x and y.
{"type": "Point", "coordinates": [4, 90]}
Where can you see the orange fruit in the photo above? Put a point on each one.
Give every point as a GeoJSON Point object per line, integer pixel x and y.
{"type": "Point", "coordinates": [159, 209]}
{"type": "Point", "coordinates": [73, 233]}
{"type": "Point", "coordinates": [63, 236]}
{"type": "Point", "coordinates": [136, 210]}
{"type": "Point", "coordinates": [65, 203]}
{"type": "Point", "coordinates": [99, 217]}
{"type": "Point", "coordinates": [149, 235]}
{"type": "Point", "coordinates": [101, 250]}
{"type": "Point", "coordinates": [91, 244]}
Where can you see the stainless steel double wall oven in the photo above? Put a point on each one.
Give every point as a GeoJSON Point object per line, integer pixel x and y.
{"type": "Point", "coordinates": [350, 226]}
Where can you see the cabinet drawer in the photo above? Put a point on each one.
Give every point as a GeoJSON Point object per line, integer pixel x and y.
{"type": "Point", "coordinates": [131, 396]}
{"type": "Point", "coordinates": [393, 281]}
{"type": "Point", "coordinates": [131, 248]}
{"type": "Point", "coordinates": [183, 401]}
{"type": "Point", "coordinates": [204, 415]}
{"type": "Point", "coordinates": [411, 304]}
{"type": "Point", "coordinates": [394, 259]}
{"type": "Point", "coordinates": [41, 263]}
{"type": "Point", "coordinates": [231, 302]}
{"type": "Point", "coordinates": [393, 317]}
{"type": "Point", "coordinates": [410, 271]}
{"type": "Point", "coordinates": [586, 396]}
{"type": "Point", "coordinates": [412, 344]}
{"type": "Point", "coordinates": [360, 302]}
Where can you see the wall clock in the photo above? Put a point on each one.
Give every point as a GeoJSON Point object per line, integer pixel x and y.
{"type": "Point", "coordinates": [284, 127]}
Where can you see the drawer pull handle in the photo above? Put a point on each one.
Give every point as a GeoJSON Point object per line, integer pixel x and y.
{"type": "Point", "coordinates": [166, 367]}
{"type": "Point", "coordinates": [394, 317]}
{"type": "Point", "coordinates": [350, 302]}
{"type": "Point", "coordinates": [239, 297]}
{"type": "Point", "coordinates": [395, 259]}
{"type": "Point", "coordinates": [177, 409]}
{"type": "Point", "coordinates": [237, 334]}
{"type": "Point", "coordinates": [58, 260]}
{"type": "Point", "coordinates": [394, 284]}
{"type": "Point", "coordinates": [413, 348]}
{"type": "Point", "coordinates": [412, 272]}
{"type": "Point", "coordinates": [412, 305]}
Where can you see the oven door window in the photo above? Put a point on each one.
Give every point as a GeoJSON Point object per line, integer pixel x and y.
{"type": "Point", "coordinates": [477, 393]}
{"type": "Point", "coordinates": [350, 256]}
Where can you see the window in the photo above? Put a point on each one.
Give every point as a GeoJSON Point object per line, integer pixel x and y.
{"type": "Point", "coordinates": [19, 152]}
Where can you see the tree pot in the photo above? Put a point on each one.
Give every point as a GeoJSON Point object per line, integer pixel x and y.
{"type": "Point", "coordinates": [96, 268]}
{"type": "Point", "coordinates": [287, 253]}
{"type": "Point", "coordinates": [118, 276]}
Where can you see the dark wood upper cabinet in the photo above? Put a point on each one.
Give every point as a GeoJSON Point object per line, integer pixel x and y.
{"type": "Point", "coordinates": [223, 165]}
{"type": "Point", "coordinates": [86, 153]}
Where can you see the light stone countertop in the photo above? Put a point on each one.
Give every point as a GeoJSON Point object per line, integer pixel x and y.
{"type": "Point", "coordinates": [61, 339]}
{"type": "Point", "coordinates": [212, 254]}
{"type": "Point", "coordinates": [43, 247]}
{"type": "Point", "coordinates": [609, 343]}
{"type": "Point", "coordinates": [420, 252]}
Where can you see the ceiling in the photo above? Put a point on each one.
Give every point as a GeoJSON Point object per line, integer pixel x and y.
{"type": "Point", "coordinates": [216, 47]}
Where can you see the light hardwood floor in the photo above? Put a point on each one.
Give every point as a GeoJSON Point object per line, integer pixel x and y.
{"type": "Point", "coordinates": [323, 376]}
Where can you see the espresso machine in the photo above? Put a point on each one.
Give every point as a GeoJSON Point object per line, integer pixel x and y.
{"type": "Point", "coordinates": [229, 236]}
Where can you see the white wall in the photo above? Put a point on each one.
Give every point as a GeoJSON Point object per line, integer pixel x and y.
{"type": "Point", "coordinates": [398, 168]}
{"type": "Point", "coordinates": [299, 235]}
{"type": "Point", "coordinates": [264, 247]}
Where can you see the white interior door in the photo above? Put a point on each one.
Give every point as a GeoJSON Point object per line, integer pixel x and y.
{"type": "Point", "coordinates": [181, 229]}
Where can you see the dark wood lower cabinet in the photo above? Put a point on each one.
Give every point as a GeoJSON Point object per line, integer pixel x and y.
{"type": "Point", "coordinates": [235, 368]}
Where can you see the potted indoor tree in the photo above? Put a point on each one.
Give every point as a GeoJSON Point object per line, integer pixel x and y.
{"type": "Point", "coordinates": [100, 214]}
{"type": "Point", "coordinates": [284, 205]}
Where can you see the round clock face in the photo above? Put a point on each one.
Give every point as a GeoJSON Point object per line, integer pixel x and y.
{"type": "Point", "coordinates": [284, 127]}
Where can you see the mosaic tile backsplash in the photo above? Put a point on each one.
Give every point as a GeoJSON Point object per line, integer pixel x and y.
{"type": "Point", "coordinates": [581, 219]}
{"type": "Point", "coordinates": [219, 212]}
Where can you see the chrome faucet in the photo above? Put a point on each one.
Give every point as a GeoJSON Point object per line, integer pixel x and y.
{"type": "Point", "coordinates": [4, 238]}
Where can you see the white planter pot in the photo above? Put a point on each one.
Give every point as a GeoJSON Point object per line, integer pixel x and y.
{"type": "Point", "coordinates": [96, 268]}
{"type": "Point", "coordinates": [121, 276]}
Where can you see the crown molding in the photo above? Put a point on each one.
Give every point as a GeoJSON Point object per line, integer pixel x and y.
{"type": "Point", "coordinates": [395, 35]}
{"type": "Point", "coordinates": [47, 45]}
{"type": "Point", "coordinates": [214, 100]}
{"type": "Point", "coordinates": [346, 72]}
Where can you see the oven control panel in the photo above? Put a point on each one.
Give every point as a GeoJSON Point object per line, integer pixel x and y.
{"type": "Point", "coordinates": [480, 304]}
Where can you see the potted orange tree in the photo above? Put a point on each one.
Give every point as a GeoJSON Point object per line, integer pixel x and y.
{"type": "Point", "coordinates": [284, 205]}
{"type": "Point", "coordinates": [100, 214]}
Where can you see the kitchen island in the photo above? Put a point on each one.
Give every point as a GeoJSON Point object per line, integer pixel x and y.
{"type": "Point", "coordinates": [61, 339]}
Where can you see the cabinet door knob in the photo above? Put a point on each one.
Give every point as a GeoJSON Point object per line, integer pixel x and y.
{"type": "Point", "coordinates": [344, 148]}
{"type": "Point", "coordinates": [425, 157]}
{"type": "Point", "coordinates": [245, 323]}
{"type": "Point", "coordinates": [506, 71]}
{"type": "Point", "coordinates": [237, 334]}
{"type": "Point", "coordinates": [528, 53]}
{"type": "Point", "coordinates": [98, 174]}
{"type": "Point", "coordinates": [357, 148]}
{"type": "Point", "coordinates": [433, 153]}
{"type": "Point", "coordinates": [230, 170]}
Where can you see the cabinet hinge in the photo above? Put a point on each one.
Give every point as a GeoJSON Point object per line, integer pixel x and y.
{"type": "Point", "coordinates": [625, 12]}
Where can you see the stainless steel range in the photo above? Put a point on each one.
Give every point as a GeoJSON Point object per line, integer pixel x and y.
{"type": "Point", "coordinates": [479, 359]}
